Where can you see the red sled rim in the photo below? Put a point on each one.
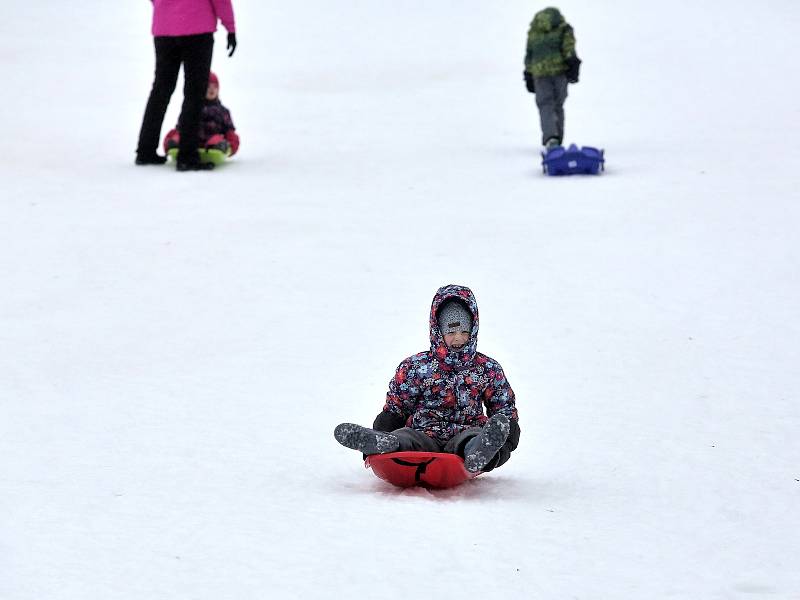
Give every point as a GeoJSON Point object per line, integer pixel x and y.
{"type": "Point", "coordinates": [437, 470]}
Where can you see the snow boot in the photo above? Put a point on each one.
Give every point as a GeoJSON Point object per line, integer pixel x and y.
{"type": "Point", "coordinates": [481, 449]}
{"type": "Point", "coordinates": [365, 440]}
{"type": "Point", "coordinates": [552, 143]}
{"type": "Point", "coordinates": [150, 159]}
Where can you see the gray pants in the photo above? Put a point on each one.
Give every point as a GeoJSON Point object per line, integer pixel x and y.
{"type": "Point", "coordinates": [551, 92]}
{"type": "Point", "coordinates": [413, 440]}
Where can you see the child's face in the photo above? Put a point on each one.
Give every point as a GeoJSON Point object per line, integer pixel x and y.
{"type": "Point", "coordinates": [212, 92]}
{"type": "Point", "coordinates": [456, 341]}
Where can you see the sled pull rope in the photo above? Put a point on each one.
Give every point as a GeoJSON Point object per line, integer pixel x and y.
{"type": "Point", "coordinates": [421, 466]}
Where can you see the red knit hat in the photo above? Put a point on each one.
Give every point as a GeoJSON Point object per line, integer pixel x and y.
{"type": "Point", "coordinates": [212, 78]}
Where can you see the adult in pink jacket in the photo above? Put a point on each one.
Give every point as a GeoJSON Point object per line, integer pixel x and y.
{"type": "Point", "coordinates": [183, 34]}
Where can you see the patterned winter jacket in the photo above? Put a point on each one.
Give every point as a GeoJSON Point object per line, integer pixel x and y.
{"type": "Point", "coordinates": [551, 44]}
{"type": "Point", "coordinates": [215, 126]}
{"type": "Point", "coordinates": [215, 119]}
{"type": "Point", "coordinates": [442, 392]}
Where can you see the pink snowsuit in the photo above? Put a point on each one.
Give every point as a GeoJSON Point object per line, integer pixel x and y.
{"type": "Point", "coordinates": [189, 17]}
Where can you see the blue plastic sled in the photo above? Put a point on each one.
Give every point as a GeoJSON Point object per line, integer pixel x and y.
{"type": "Point", "coordinates": [573, 160]}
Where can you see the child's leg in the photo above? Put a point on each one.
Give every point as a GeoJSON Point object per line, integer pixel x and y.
{"type": "Point", "coordinates": [364, 439]}
{"type": "Point", "coordinates": [481, 453]}
{"type": "Point", "coordinates": [456, 444]}
{"type": "Point", "coordinates": [218, 142]}
{"type": "Point", "coordinates": [172, 139]}
{"type": "Point", "coordinates": [411, 439]}
{"type": "Point", "coordinates": [546, 101]}
{"type": "Point", "coordinates": [560, 88]}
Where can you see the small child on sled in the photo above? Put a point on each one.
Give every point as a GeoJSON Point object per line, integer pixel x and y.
{"type": "Point", "coordinates": [217, 132]}
{"type": "Point", "coordinates": [436, 398]}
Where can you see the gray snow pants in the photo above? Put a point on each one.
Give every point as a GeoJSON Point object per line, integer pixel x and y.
{"type": "Point", "coordinates": [413, 440]}
{"type": "Point", "coordinates": [551, 92]}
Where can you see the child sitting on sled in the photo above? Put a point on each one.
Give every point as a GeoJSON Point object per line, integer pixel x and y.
{"type": "Point", "coordinates": [217, 131]}
{"type": "Point", "coordinates": [436, 398]}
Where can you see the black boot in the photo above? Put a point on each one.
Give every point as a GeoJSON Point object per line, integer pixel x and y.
{"type": "Point", "coordinates": [365, 440]}
{"type": "Point", "coordinates": [150, 159]}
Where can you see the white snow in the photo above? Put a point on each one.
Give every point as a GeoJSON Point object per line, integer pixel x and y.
{"type": "Point", "coordinates": [176, 349]}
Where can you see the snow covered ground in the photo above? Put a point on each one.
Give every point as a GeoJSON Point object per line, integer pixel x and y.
{"type": "Point", "coordinates": [175, 349]}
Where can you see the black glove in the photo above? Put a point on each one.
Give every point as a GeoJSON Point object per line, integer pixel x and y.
{"type": "Point", "coordinates": [387, 421]}
{"type": "Point", "coordinates": [529, 82]}
{"type": "Point", "coordinates": [573, 69]}
{"type": "Point", "coordinates": [231, 43]}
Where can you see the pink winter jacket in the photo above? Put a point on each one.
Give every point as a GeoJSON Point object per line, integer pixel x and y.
{"type": "Point", "coordinates": [190, 17]}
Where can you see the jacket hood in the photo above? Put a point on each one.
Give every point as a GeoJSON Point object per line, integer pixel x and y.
{"type": "Point", "coordinates": [547, 19]}
{"type": "Point", "coordinates": [453, 359]}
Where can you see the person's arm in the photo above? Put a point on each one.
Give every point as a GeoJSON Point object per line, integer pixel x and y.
{"type": "Point", "coordinates": [568, 43]}
{"type": "Point", "coordinates": [527, 75]}
{"type": "Point", "coordinates": [227, 121]}
{"type": "Point", "coordinates": [570, 56]}
{"type": "Point", "coordinates": [229, 131]}
{"type": "Point", "coordinates": [528, 47]}
{"type": "Point", "coordinates": [400, 400]}
{"type": "Point", "coordinates": [498, 397]}
{"type": "Point", "coordinates": [233, 140]}
{"type": "Point", "coordinates": [224, 11]}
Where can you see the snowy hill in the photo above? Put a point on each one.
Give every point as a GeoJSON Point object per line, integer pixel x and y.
{"type": "Point", "coordinates": [175, 349]}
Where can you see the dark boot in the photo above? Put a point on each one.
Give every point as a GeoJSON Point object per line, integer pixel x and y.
{"type": "Point", "coordinates": [194, 166]}
{"type": "Point", "coordinates": [150, 159]}
{"type": "Point", "coordinates": [481, 449]}
{"type": "Point", "coordinates": [365, 440]}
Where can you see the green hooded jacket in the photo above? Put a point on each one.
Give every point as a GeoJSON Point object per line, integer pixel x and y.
{"type": "Point", "coordinates": [551, 43]}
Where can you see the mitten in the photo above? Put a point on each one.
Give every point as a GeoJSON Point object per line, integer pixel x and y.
{"type": "Point", "coordinates": [529, 85]}
{"type": "Point", "coordinates": [573, 69]}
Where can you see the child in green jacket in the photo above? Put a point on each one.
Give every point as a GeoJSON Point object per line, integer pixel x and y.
{"type": "Point", "coordinates": [550, 64]}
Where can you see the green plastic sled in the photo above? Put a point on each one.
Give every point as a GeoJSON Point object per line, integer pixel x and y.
{"type": "Point", "coordinates": [212, 155]}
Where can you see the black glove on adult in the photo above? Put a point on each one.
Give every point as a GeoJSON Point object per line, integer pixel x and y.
{"type": "Point", "coordinates": [529, 82]}
{"type": "Point", "coordinates": [573, 69]}
{"type": "Point", "coordinates": [231, 43]}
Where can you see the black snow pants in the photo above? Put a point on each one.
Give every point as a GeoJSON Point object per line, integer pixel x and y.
{"type": "Point", "coordinates": [194, 52]}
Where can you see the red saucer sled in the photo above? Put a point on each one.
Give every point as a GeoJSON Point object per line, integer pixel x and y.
{"type": "Point", "coordinates": [427, 469]}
